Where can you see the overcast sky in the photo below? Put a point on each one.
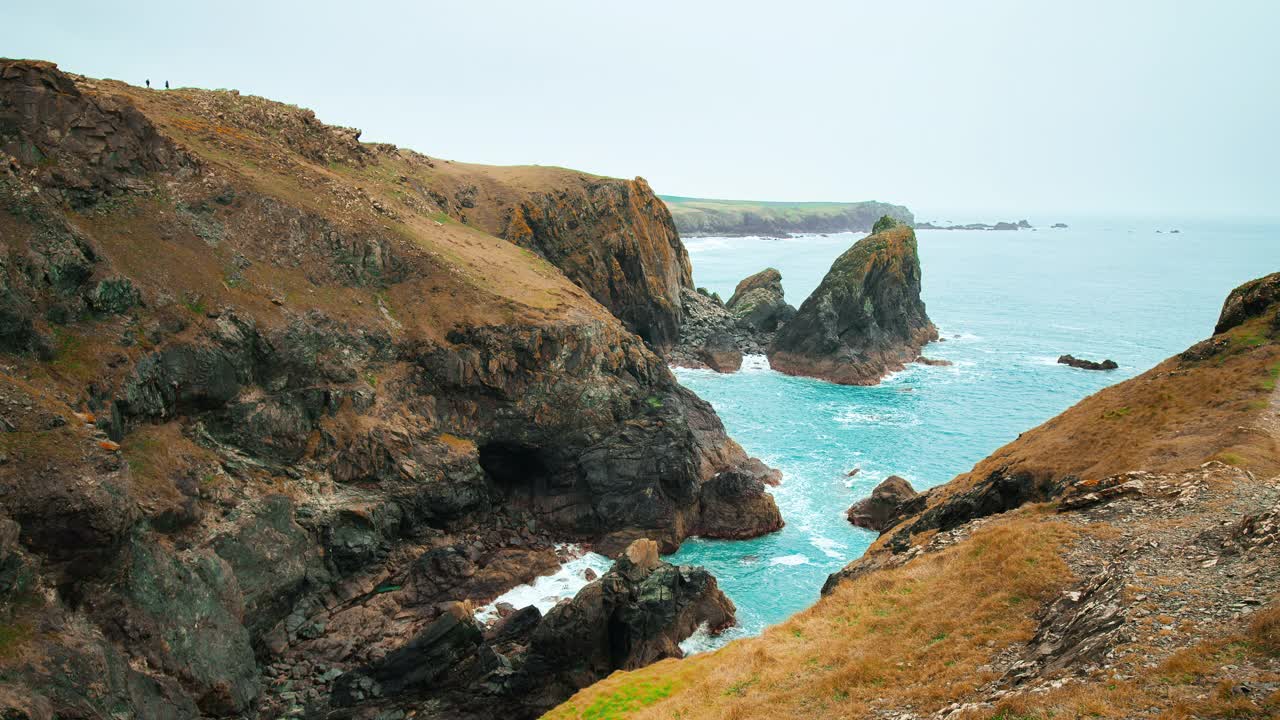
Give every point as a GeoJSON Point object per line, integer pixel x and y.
{"type": "Point", "coordinates": [952, 108]}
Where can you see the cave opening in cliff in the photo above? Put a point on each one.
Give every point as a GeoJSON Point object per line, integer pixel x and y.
{"type": "Point", "coordinates": [516, 469]}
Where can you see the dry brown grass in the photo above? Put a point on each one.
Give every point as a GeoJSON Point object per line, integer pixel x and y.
{"type": "Point", "coordinates": [913, 637]}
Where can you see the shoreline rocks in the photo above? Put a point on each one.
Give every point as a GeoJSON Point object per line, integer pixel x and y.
{"type": "Point", "coordinates": [633, 615]}
{"type": "Point", "coordinates": [865, 319]}
{"type": "Point", "coordinates": [1082, 364]}
{"type": "Point", "coordinates": [890, 501]}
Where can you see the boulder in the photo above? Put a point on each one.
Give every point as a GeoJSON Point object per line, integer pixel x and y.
{"type": "Point", "coordinates": [1076, 362]}
{"type": "Point", "coordinates": [890, 501]}
{"type": "Point", "coordinates": [736, 505]}
{"type": "Point", "coordinates": [758, 303]}
{"type": "Point", "coordinates": [865, 319]}
{"type": "Point", "coordinates": [720, 354]}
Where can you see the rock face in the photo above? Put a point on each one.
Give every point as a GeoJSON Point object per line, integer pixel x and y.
{"type": "Point", "coordinates": [890, 501]}
{"type": "Point", "coordinates": [260, 420]}
{"type": "Point", "coordinates": [758, 302]}
{"type": "Point", "coordinates": [634, 615]}
{"type": "Point", "coordinates": [1082, 364]}
{"type": "Point", "coordinates": [617, 241]}
{"type": "Point", "coordinates": [1249, 300]}
{"type": "Point", "coordinates": [865, 319]}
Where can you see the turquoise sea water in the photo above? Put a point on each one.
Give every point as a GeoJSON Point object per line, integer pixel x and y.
{"type": "Point", "coordinates": [1008, 304]}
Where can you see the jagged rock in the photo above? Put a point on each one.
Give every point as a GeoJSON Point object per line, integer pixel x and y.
{"type": "Point", "coordinates": [865, 319]}
{"type": "Point", "coordinates": [617, 241]}
{"type": "Point", "coordinates": [1077, 628]}
{"type": "Point", "coordinates": [1076, 362]}
{"type": "Point", "coordinates": [1247, 301]}
{"type": "Point", "coordinates": [890, 501]}
{"type": "Point", "coordinates": [87, 146]}
{"type": "Point", "coordinates": [758, 302]}
{"type": "Point", "coordinates": [635, 614]}
{"type": "Point", "coordinates": [445, 655]}
{"type": "Point", "coordinates": [735, 504]}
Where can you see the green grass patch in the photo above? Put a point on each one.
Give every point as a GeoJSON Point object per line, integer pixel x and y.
{"type": "Point", "coordinates": [626, 699]}
{"type": "Point", "coordinates": [1273, 373]}
{"type": "Point", "coordinates": [1116, 413]}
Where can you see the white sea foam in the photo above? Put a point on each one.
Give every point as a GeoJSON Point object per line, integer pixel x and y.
{"type": "Point", "coordinates": [829, 547]}
{"type": "Point", "coordinates": [546, 591]}
{"type": "Point", "coordinates": [891, 417]}
{"type": "Point", "coordinates": [754, 363]}
{"type": "Point", "coordinates": [796, 559]}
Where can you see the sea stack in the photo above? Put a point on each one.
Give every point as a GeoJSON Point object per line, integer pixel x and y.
{"type": "Point", "coordinates": [866, 318]}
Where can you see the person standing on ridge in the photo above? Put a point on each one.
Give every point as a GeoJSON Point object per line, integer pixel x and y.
{"type": "Point", "coordinates": [166, 84]}
{"type": "Point", "coordinates": [148, 83]}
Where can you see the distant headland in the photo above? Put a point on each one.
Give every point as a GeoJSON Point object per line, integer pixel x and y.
{"type": "Point", "coordinates": [704, 216]}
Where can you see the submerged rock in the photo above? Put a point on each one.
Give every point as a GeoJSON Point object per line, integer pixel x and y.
{"type": "Point", "coordinates": [866, 318]}
{"type": "Point", "coordinates": [1076, 362]}
{"type": "Point", "coordinates": [890, 501]}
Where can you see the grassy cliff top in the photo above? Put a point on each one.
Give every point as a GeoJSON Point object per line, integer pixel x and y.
{"type": "Point", "coordinates": [706, 216]}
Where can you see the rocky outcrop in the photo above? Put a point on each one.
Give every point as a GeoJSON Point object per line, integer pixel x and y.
{"type": "Point", "coordinates": [633, 615]}
{"type": "Point", "coordinates": [758, 302]}
{"type": "Point", "coordinates": [1249, 300]}
{"type": "Point", "coordinates": [259, 427]}
{"type": "Point", "coordinates": [865, 319]}
{"type": "Point", "coordinates": [890, 501]}
{"type": "Point", "coordinates": [716, 334]}
{"type": "Point", "coordinates": [1083, 364]}
{"type": "Point", "coordinates": [617, 241]}
{"type": "Point", "coordinates": [734, 504]}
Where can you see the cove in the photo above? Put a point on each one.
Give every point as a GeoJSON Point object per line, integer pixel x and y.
{"type": "Point", "coordinates": [1007, 305]}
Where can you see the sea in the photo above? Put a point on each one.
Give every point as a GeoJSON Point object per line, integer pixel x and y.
{"type": "Point", "coordinates": [1007, 304]}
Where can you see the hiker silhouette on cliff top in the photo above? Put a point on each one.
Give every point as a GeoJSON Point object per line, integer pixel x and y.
{"type": "Point", "coordinates": [148, 83]}
{"type": "Point", "coordinates": [166, 84]}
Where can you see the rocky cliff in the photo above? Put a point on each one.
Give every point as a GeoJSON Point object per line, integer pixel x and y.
{"type": "Point", "coordinates": [271, 398]}
{"type": "Point", "coordinates": [866, 317]}
{"type": "Point", "coordinates": [1122, 560]}
{"type": "Point", "coordinates": [705, 216]}
{"type": "Point", "coordinates": [635, 614]}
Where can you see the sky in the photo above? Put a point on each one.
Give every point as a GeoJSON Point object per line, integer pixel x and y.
{"type": "Point", "coordinates": [975, 110]}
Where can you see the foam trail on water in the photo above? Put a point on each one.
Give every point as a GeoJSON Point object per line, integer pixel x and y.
{"type": "Point", "coordinates": [544, 592]}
